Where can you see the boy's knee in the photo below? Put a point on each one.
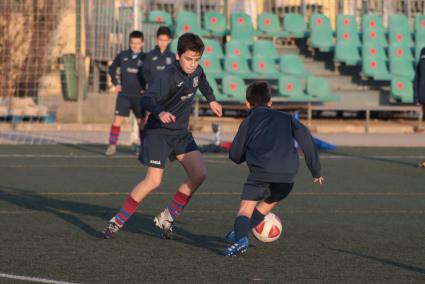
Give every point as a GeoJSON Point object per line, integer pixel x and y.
{"type": "Point", "coordinates": [200, 176]}
{"type": "Point", "coordinates": [153, 183]}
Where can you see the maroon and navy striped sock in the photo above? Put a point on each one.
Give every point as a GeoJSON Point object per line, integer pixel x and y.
{"type": "Point", "coordinates": [114, 135]}
{"type": "Point", "coordinates": [179, 202]}
{"type": "Point", "coordinates": [127, 209]}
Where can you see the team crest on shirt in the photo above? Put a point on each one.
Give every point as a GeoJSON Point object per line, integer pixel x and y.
{"type": "Point", "coordinates": [168, 60]}
{"type": "Point", "coordinates": [139, 63]}
{"type": "Point", "coordinates": [154, 58]}
{"type": "Point", "coordinates": [195, 82]}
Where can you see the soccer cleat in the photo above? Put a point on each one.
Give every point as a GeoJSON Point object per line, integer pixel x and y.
{"type": "Point", "coordinates": [110, 229]}
{"type": "Point", "coordinates": [237, 248]}
{"type": "Point", "coordinates": [111, 150]}
{"type": "Point", "coordinates": [165, 222]}
{"type": "Point", "coordinates": [231, 237]}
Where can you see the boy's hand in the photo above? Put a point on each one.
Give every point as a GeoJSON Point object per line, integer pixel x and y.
{"type": "Point", "coordinates": [166, 117]}
{"type": "Point", "coordinates": [118, 88]}
{"type": "Point", "coordinates": [319, 180]}
{"type": "Point", "coordinates": [216, 108]}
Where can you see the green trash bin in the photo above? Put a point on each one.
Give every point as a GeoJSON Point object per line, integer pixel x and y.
{"type": "Point", "coordinates": [69, 79]}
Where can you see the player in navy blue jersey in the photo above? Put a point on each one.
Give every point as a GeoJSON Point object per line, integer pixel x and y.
{"type": "Point", "coordinates": [169, 100]}
{"type": "Point", "coordinates": [265, 141]}
{"type": "Point", "coordinates": [130, 87]}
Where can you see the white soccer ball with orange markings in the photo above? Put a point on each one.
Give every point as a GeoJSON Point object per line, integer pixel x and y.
{"type": "Point", "coordinates": [269, 230]}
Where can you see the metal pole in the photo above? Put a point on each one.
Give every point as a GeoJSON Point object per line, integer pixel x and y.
{"type": "Point", "coordinates": [198, 11]}
{"type": "Point", "coordinates": [79, 65]}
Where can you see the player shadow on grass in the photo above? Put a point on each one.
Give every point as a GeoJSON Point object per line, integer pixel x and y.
{"type": "Point", "coordinates": [386, 160]}
{"type": "Point", "coordinates": [382, 260]}
{"type": "Point", "coordinates": [69, 211]}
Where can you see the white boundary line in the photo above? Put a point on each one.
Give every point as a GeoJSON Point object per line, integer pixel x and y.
{"type": "Point", "coordinates": [32, 279]}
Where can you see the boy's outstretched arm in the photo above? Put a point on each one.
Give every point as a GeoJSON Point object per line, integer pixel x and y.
{"type": "Point", "coordinates": [208, 93]}
{"type": "Point", "coordinates": [311, 156]}
{"type": "Point", "coordinates": [238, 149]}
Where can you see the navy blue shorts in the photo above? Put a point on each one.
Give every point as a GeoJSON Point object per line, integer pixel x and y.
{"type": "Point", "coordinates": [157, 148]}
{"type": "Point", "coordinates": [269, 192]}
{"type": "Point", "coordinates": [125, 103]}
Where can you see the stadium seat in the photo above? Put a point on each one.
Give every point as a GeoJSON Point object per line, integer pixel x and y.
{"type": "Point", "coordinates": [374, 51]}
{"type": "Point", "coordinates": [290, 87]}
{"type": "Point", "coordinates": [188, 22]}
{"type": "Point", "coordinates": [268, 24]}
{"type": "Point", "coordinates": [402, 67]}
{"type": "Point", "coordinates": [234, 87]}
{"type": "Point", "coordinates": [373, 30]}
{"type": "Point", "coordinates": [402, 89]}
{"type": "Point", "coordinates": [294, 25]}
{"type": "Point", "coordinates": [420, 29]}
{"type": "Point", "coordinates": [404, 51]}
{"type": "Point", "coordinates": [347, 53]}
{"type": "Point", "coordinates": [375, 68]}
{"type": "Point", "coordinates": [213, 48]}
{"type": "Point", "coordinates": [160, 17]}
{"type": "Point", "coordinates": [319, 89]}
{"type": "Point", "coordinates": [347, 30]}
{"type": "Point", "coordinates": [291, 64]}
{"type": "Point", "coordinates": [262, 47]}
{"type": "Point", "coordinates": [418, 48]}
{"type": "Point", "coordinates": [212, 67]}
{"type": "Point", "coordinates": [399, 31]}
{"type": "Point", "coordinates": [215, 23]}
{"type": "Point", "coordinates": [321, 35]}
{"type": "Point", "coordinates": [173, 45]}
{"type": "Point", "coordinates": [265, 67]}
{"type": "Point", "coordinates": [242, 28]}
{"type": "Point", "coordinates": [237, 48]}
{"type": "Point", "coordinates": [238, 66]}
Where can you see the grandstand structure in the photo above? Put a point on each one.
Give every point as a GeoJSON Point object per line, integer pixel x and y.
{"type": "Point", "coordinates": [324, 56]}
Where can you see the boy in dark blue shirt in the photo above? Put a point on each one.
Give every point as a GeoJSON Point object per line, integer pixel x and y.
{"type": "Point", "coordinates": [157, 59]}
{"type": "Point", "coordinates": [265, 141]}
{"type": "Point", "coordinates": [169, 100]}
{"type": "Point", "coordinates": [130, 87]}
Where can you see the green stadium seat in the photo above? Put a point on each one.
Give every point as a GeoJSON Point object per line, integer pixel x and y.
{"type": "Point", "coordinates": [291, 64]}
{"type": "Point", "coordinates": [347, 53]}
{"type": "Point", "coordinates": [160, 17]}
{"type": "Point", "coordinates": [399, 31]}
{"type": "Point", "coordinates": [265, 47]}
{"type": "Point", "coordinates": [347, 30]}
{"type": "Point", "coordinates": [290, 87]}
{"type": "Point", "coordinates": [213, 48]}
{"type": "Point", "coordinates": [212, 67]}
{"type": "Point", "coordinates": [237, 65]}
{"type": "Point", "coordinates": [374, 51]}
{"type": "Point", "coordinates": [321, 35]}
{"type": "Point", "coordinates": [265, 67]}
{"type": "Point", "coordinates": [242, 28]}
{"type": "Point", "coordinates": [234, 87]}
{"type": "Point", "coordinates": [188, 22]}
{"type": "Point", "coordinates": [237, 48]}
{"type": "Point", "coordinates": [402, 67]}
{"type": "Point", "coordinates": [402, 89]}
{"type": "Point", "coordinates": [173, 45]}
{"type": "Point", "coordinates": [373, 30]}
{"type": "Point", "coordinates": [319, 89]}
{"type": "Point", "coordinates": [375, 68]}
{"type": "Point", "coordinates": [418, 48]}
{"type": "Point", "coordinates": [420, 30]}
{"type": "Point", "coordinates": [294, 25]}
{"type": "Point", "coordinates": [396, 50]}
{"type": "Point", "coordinates": [215, 23]}
{"type": "Point", "coordinates": [268, 24]}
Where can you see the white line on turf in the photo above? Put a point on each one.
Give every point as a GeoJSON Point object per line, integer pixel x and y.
{"type": "Point", "coordinates": [32, 279]}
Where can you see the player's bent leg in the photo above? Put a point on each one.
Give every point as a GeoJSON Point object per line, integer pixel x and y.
{"type": "Point", "coordinates": [114, 135]}
{"type": "Point", "coordinates": [195, 169]}
{"type": "Point", "coordinates": [151, 181]}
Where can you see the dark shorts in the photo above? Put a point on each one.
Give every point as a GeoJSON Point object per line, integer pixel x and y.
{"type": "Point", "coordinates": [125, 103]}
{"type": "Point", "coordinates": [260, 190]}
{"type": "Point", "coordinates": [157, 148]}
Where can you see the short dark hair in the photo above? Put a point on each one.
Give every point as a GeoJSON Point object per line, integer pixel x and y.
{"type": "Point", "coordinates": [258, 93]}
{"type": "Point", "coordinates": [137, 34]}
{"type": "Point", "coordinates": [190, 41]}
{"type": "Point", "coordinates": [163, 30]}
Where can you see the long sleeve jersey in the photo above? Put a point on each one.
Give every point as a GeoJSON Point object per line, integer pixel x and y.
{"type": "Point", "coordinates": [265, 140]}
{"type": "Point", "coordinates": [155, 63]}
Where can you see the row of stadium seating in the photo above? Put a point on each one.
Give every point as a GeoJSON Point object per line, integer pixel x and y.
{"type": "Point", "coordinates": [290, 88]}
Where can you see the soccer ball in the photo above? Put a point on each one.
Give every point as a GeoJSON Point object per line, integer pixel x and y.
{"type": "Point", "coordinates": [269, 230]}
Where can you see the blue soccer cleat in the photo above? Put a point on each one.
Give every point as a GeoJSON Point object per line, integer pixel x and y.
{"type": "Point", "coordinates": [231, 237]}
{"type": "Point", "coordinates": [237, 248]}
